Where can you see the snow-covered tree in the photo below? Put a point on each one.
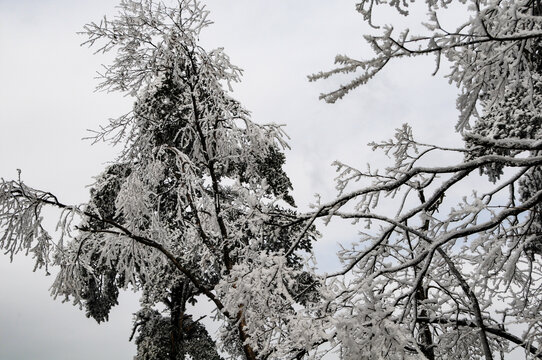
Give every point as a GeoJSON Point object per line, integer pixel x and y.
{"type": "Point", "coordinates": [197, 203]}
{"type": "Point", "coordinates": [438, 271]}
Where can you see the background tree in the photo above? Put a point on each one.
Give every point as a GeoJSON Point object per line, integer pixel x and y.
{"type": "Point", "coordinates": [439, 271]}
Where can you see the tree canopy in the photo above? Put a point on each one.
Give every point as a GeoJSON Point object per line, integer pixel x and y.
{"type": "Point", "coordinates": [198, 206]}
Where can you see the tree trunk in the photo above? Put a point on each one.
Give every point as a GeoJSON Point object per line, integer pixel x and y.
{"type": "Point", "coordinates": [177, 309]}
{"type": "Point", "coordinates": [425, 336]}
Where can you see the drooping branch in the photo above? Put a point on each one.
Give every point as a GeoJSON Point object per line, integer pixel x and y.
{"type": "Point", "coordinates": [52, 200]}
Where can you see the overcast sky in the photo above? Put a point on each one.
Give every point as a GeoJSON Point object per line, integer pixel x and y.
{"type": "Point", "coordinates": [47, 102]}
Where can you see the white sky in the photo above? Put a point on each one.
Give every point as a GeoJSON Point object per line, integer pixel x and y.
{"type": "Point", "coordinates": [47, 102]}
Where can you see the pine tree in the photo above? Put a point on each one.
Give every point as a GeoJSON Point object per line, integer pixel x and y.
{"type": "Point", "coordinates": [196, 199]}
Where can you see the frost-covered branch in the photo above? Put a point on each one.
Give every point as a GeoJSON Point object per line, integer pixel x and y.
{"type": "Point", "coordinates": [21, 208]}
{"type": "Point", "coordinates": [418, 262]}
{"type": "Point", "coordinates": [497, 45]}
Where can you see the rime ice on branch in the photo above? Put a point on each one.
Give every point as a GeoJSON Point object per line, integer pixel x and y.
{"type": "Point", "coordinates": [445, 273]}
